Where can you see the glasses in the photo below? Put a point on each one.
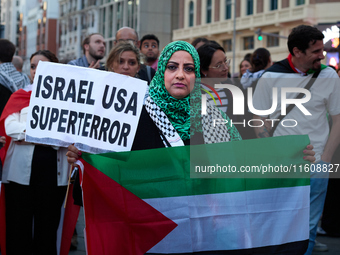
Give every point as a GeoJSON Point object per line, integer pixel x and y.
{"type": "Point", "coordinates": [226, 63]}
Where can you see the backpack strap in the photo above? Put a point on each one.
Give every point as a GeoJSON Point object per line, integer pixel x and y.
{"type": "Point", "coordinates": [291, 106]}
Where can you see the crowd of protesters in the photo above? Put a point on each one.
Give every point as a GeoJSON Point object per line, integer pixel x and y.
{"type": "Point", "coordinates": [42, 192]}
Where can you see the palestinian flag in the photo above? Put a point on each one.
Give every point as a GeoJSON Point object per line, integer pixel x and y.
{"type": "Point", "coordinates": [146, 201]}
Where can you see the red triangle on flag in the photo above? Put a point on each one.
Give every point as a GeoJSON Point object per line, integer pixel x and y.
{"type": "Point", "coordinates": [116, 220]}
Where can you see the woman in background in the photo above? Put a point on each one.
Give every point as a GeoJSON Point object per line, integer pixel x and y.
{"type": "Point", "coordinates": [124, 58]}
{"type": "Point", "coordinates": [35, 178]}
{"type": "Point", "coordinates": [214, 70]}
{"type": "Point", "coordinates": [244, 66]}
{"type": "Point", "coordinates": [260, 60]}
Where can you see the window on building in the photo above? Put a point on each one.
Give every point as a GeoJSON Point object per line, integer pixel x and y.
{"type": "Point", "coordinates": [75, 24]}
{"type": "Point", "coordinates": [250, 7]}
{"type": "Point", "coordinates": [209, 11]}
{"type": "Point", "coordinates": [132, 15]}
{"type": "Point", "coordinates": [70, 25]}
{"type": "Point", "coordinates": [191, 13]}
{"type": "Point", "coordinates": [273, 5]}
{"type": "Point", "coordinates": [248, 43]}
{"type": "Point", "coordinates": [119, 16]}
{"type": "Point", "coordinates": [300, 2]}
{"type": "Point", "coordinates": [228, 45]}
{"type": "Point", "coordinates": [110, 27]}
{"type": "Point", "coordinates": [103, 21]}
{"type": "Point", "coordinates": [273, 41]}
{"type": "Point", "coordinates": [228, 6]}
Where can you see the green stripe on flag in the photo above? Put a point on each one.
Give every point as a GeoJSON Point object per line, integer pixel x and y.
{"type": "Point", "coordinates": [165, 172]}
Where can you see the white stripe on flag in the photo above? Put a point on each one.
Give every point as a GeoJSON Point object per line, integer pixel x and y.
{"type": "Point", "coordinates": [238, 220]}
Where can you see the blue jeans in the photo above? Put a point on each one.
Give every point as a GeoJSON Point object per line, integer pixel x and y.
{"type": "Point", "coordinates": [318, 190]}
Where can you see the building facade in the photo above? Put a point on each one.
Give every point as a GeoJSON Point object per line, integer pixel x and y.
{"type": "Point", "coordinates": [79, 18]}
{"type": "Point", "coordinates": [31, 25]}
{"type": "Point", "coordinates": [214, 19]}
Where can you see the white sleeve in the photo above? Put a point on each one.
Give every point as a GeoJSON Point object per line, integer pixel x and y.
{"type": "Point", "coordinates": [14, 127]}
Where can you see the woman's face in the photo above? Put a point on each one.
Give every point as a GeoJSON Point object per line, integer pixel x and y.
{"type": "Point", "coordinates": [179, 75]}
{"type": "Point", "coordinates": [127, 64]}
{"type": "Point", "coordinates": [218, 67]}
{"type": "Point", "coordinates": [34, 63]}
{"type": "Point", "coordinates": [245, 65]}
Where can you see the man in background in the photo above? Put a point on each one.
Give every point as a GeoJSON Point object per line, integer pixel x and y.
{"type": "Point", "coordinates": [149, 46]}
{"type": "Point", "coordinates": [10, 79]}
{"type": "Point", "coordinates": [94, 50]}
{"type": "Point", "coordinates": [18, 64]}
{"type": "Point", "coordinates": [305, 44]}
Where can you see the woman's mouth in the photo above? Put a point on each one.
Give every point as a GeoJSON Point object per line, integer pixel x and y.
{"type": "Point", "coordinates": [179, 85]}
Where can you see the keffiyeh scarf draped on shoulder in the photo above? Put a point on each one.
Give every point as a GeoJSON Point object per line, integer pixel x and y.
{"type": "Point", "coordinates": [11, 78]}
{"type": "Point", "coordinates": [179, 111]}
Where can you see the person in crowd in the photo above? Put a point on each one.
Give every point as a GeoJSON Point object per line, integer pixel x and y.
{"type": "Point", "coordinates": [18, 63]}
{"type": "Point", "coordinates": [149, 46]}
{"type": "Point", "coordinates": [10, 79]}
{"type": "Point", "coordinates": [124, 58]}
{"type": "Point", "coordinates": [35, 178]}
{"type": "Point", "coordinates": [145, 72]}
{"type": "Point", "coordinates": [244, 66]}
{"type": "Point", "coordinates": [198, 42]}
{"type": "Point", "coordinates": [260, 60]}
{"type": "Point", "coordinates": [214, 69]}
{"type": "Point", "coordinates": [94, 50]}
{"type": "Point", "coordinates": [305, 44]}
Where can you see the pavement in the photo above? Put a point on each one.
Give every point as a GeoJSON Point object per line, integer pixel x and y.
{"type": "Point", "coordinates": [333, 243]}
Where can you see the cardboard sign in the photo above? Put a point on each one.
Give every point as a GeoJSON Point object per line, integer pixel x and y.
{"type": "Point", "coordinates": [97, 110]}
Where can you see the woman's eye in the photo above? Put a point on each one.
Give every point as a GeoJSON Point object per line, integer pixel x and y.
{"type": "Point", "coordinates": [132, 63]}
{"type": "Point", "coordinates": [171, 67]}
{"type": "Point", "coordinates": [32, 67]}
{"type": "Point", "coordinates": [189, 69]}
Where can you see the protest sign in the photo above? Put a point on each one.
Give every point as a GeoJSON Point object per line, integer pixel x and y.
{"type": "Point", "coordinates": [98, 111]}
